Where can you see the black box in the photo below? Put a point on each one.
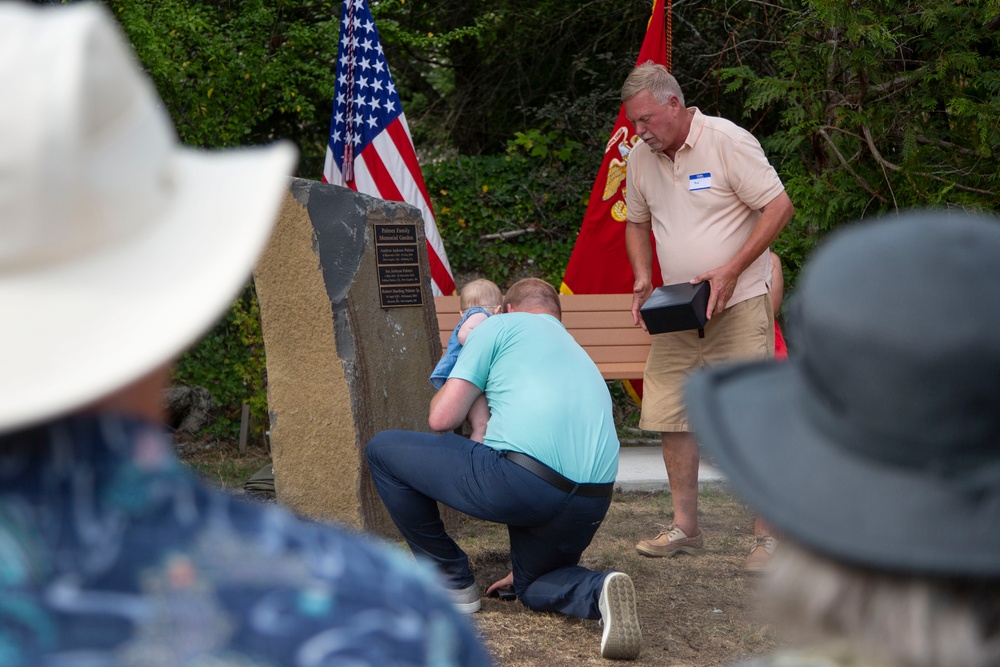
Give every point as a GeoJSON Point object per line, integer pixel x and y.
{"type": "Point", "coordinates": [676, 308]}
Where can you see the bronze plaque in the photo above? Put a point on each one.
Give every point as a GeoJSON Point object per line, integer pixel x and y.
{"type": "Point", "coordinates": [396, 254]}
{"type": "Point", "coordinates": [407, 274]}
{"type": "Point", "coordinates": [409, 295]}
{"type": "Point", "coordinates": [395, 233]}
{"type": "Point", "coordinates": [398, 262]}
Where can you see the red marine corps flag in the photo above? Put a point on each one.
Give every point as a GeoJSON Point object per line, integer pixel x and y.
{"type": "Point", "coordinates": [599, 263]}
{"type": "Point", "coordinates": [369, 148]}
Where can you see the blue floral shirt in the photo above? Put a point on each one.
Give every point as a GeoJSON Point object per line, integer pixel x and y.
{"type": "Point", "coordinates": [113, 553]}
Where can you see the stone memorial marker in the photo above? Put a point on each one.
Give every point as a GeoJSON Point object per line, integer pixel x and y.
{"type": "Point", "coordinates": [350, 335]}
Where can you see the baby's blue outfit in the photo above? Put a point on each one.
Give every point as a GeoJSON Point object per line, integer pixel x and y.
{"type": "Point", "coordinates": [443, 368]}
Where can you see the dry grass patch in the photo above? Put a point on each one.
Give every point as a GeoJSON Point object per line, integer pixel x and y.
{"type": "Point", "coordinates": [694, 610]}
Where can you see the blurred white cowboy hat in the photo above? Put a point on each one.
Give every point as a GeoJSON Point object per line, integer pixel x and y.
{"type": "Point", "coordinates": [119, 247]}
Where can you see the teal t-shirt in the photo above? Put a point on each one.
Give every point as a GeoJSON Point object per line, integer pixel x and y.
{"type": "Point", "coordinates": [547, 399]}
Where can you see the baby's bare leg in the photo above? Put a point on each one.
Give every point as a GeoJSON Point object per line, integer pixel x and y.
{"type": "Point", "coordinates": [479, 414]}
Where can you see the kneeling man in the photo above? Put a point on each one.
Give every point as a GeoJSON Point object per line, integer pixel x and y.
{"type": "Point", "coordinates": [546, 467]}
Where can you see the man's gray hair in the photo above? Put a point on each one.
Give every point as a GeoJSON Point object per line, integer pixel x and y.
{"type": "Point", "coordinates": [902, 620]}
{"type": "Point", "coordinates": [654, 78]}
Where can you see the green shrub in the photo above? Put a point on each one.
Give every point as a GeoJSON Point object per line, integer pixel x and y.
{"type": "Point", "coordinates": [508, 216]}
{"type": "Point", "coordinates": [229, 362]}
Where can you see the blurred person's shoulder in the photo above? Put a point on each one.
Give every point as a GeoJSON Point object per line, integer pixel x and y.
{"type": "Point", "coordinates": [117, 549]}
{"type": "Point", "coordinates": [339, 592]}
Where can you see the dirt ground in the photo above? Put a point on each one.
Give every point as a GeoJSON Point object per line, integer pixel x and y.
{"type": "Point", "coordinates": [694, 610]}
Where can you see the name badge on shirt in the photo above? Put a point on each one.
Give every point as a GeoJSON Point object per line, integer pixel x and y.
{"type": "Point", "coordinates": [699, 182]}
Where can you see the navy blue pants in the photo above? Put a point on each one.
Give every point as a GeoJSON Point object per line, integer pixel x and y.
{"type": "Point", "coordinates": [548, 528]}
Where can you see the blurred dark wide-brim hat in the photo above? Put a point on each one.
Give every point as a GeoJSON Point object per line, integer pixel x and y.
{"type": "Point", "coordinates": [878, 441]}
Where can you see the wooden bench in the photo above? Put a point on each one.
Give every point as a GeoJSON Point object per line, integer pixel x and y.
{"type": "Point", "coordinates": [600, 323]}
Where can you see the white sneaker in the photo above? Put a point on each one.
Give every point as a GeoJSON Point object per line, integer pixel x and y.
{"type": "Point", "coordinates": [622, 638]}
{"type": "Point", "coordinates": [466, 600]}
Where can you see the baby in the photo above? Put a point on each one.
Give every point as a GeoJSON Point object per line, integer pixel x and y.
{"type": "Point", "coordinates": [478, 300]}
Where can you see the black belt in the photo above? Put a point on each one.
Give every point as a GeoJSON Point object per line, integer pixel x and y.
{"type": "Point", "coordinates": [541, 470]}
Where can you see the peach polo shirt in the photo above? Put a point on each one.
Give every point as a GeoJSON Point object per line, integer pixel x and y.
{"type": "Point", "coordinates": [704, 203]}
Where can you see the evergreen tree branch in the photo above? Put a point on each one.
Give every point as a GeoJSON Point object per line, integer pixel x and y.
{"type": "Point", "coordinates": [888, 165]}
{"type": "Point", "coordinates": [846, 165]}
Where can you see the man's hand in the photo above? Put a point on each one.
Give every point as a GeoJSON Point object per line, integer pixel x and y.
{"type": "Point", "coordinates": [773, 218]}
{"type": "Point", "coordinates": [640, 292]}
{"type": "Point", "coordinates": [723, 283]}
{"type": "Point", "coordinates": [506, 582]}
{"type": "Point", "coordinates": [451, 404]}
{"type": "Point", "coordinates": [639, 247]}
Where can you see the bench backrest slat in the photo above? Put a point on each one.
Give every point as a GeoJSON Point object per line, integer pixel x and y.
{"type": "Point", "coordinates": [600, 323]}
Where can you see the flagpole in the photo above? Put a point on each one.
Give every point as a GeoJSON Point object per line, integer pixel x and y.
{"type": "Point", "coordinates": [670, 36]}
{"type": "Point", "coordinates": [349, 125]}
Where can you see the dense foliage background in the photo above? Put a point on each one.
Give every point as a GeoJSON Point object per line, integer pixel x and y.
{"type": "Point", "coordinates": [866, 107]}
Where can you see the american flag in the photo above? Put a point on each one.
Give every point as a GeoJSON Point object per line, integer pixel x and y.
{"type": "Point", "coordinates": [370, 149]}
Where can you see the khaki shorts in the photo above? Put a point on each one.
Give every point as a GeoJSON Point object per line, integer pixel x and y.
{"type": "Point", "coordinates": [744, 332]}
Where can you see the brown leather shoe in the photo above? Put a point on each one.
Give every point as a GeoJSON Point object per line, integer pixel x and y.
{"type": "Point", "coordinates": [671, 542]}
{"type": "Point", "coordinates": [761, 553]}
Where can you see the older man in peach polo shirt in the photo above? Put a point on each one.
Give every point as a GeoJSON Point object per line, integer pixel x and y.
{"type": "Point", "coordinates": [714, 204]}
